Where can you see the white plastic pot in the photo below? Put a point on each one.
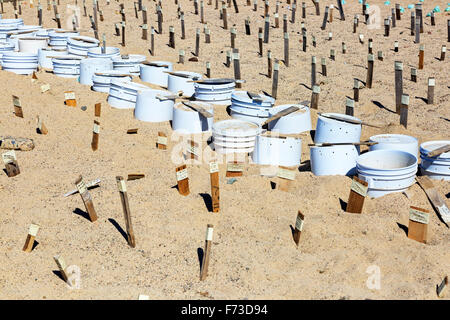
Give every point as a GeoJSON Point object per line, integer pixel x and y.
{"type": "Point", "coordinates": [5, 47]}
{"type": "Point", "coordinates": [437, 168]}
{"type": "Point", "coordinates": [80, 45]}
{"type": "Point", "coordinates": [334, 160]}
{"type": "Point", "coordinates": [210, 90]}
{"type": "Point", "coordinates": [110, 52]}
{"type": "Point", "coordinates": [330, 130]}
{"type": "Point", "coordinates": [151, 109]}
{"type": "Point", "coordinates": [294, 123]}
{"type": "Point", "coordinates": [90, 66]}
{"type": "Point", "coordinates": [32, 44]}
{"type": "Point", "coordinates": [58, 38]}
{"type": "Point", "coordinates": [66, 68]}
{"type": "Point", "coordinates": [44, 53]}
{"type": "Point", "coordinates": [176, 83]}
{"type": "Point", "coordinates": [277, 151]}
{"type": "Point", "coordinates": [123, 94]}
{"type": "Point", "coordinates": [19, 62]}
{"type": "Point", "coordinates": [245, 108]}
{"type": "Point", "coordinates": [155, 74]}
{"type": "Point", "coordinates": [235, 136]}
{"type": "Point", "coordinates": [128, 64]}
{"type": "Point", "coordinates": [102, 81]}
{"type": "Point", "coordinates": [395, 142]}
{"type": "Point", "coordinates": [189, 121]}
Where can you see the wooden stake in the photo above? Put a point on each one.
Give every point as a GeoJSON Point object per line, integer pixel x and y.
{"type": "Point", "coordinates": [276, 67]}
{"type": "Point", "coordinates": [17, 107]}
{"type": "Point", "coordinates": [393, 17]}
{"type": "Point", "coordinates": [404, 110]}
{"type": "Point", "coordinates": [293, 10]}
{"type": "Point", "coordinates": [285, 24]}
{"type": "Point", "coordinates": [29, 242]}
{"type": "Point", "coordinates": [418, 224]}
{"type": "Point", "coordinates": [443, 49]}
{"type": "Point", "coordinates": [266, 29]}
{"type": "Point", "coordinates": [397, 12]}
{"type": "Point", "coordinates": [356, 90]}
{"type": "Point", "coordinates": [304, 41]}
{"type": "Point", "coordinates": [413, 20]}
{"type": "Point", "coordinates": [247, 26]}
{"type": "Point", "coordinates": [323, 62]}
{"type": "Point", "coordinates": [152, 41]}
{"type": "Point", "coordinates": [237, 67]}
{"type": "Point", "coordinates": [358, 192]}
{"type": "Point", "coordinates": [395, 46]}
{"type": "Point", "coordinates": [386, 27]}
{"type": "Point", "coordinates": [197, 42]}
{"type": "Point", "coordinates": [42, 129]}
{"type": "Point", "coordinates": [417, 30]}
{"type": "Point", "coordinates": [285, 177]}
{"type": "Point", "coordinates": [313, 71]}
{"type": "Point", "coordinates": [11, 165]}
{"type": "Point", "coordinates": [183, 29]}
{"type": "Point", "coordinates": [315, 97]}
{"type": "Point", "coordinates": [333, 54]}
{"type": "Point", "coordinates": [260, 41]}
{"type": "Point", "coordinates": [95, 135]}
{"type": "Point", "coordinates": [370, 61]}
{"type": "Point", "coordinates": [298, 227]}
{"type": "Point", "coordinates": [398, 66]}
{"type": "Point", "coordinates": [434, 196]}
{"type": "Point", "coordinates": [234, 169]}
{"type": "Point", "coordinates": [214, 174]}
{"type": "Point", "coordinates": [182, 180]}
{"type": "Point", "coordinates": [344, 48]}
{"type": "Point", "coordinates": [207, 35]}
{"type": "Point", "coordinates": [316, 5]}
{"type": "Point", "coordinates": [303, 10]}
{"type": "Point", "coordinates": [325, 18]}
{"type": "Point", "coordinates": [349, 107]}
{"type": "Point", "coordinates": [380, 55]}
{"type": "Point", "coordinates": [233, 37]}
{"type": "Point", "coordinates": [171, 37]}
{"type": "Point", "coordinates": [61, 266]}
{"type": "Point", "coordinates": [413, 74]}
{"type": "Point", "coordinates": [286, 49]}
{"type": "Point", "coordinates": [421, 56]}
{"type": "Point", "coordinates": [126, 210]}
{"type": "Point", "coordinates": [86, 197]}
{"type": "Point", "coordinates": [341, 10]}
{"type": "Point", "coordinates": [206, 252]}
{"type": "Point", "coordinates": [161, 143]}
{"type": "Point", "coordinates": [269, 63]}
{"type": "Point", "coordinates": [370, 45]}
{"type": "Point", "coordinates": [225, 17]}
{"type": "Point", "coordinates": [430, 94]}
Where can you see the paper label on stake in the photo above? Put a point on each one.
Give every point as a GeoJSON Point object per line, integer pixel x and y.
{"type": "Point", "coordinates": [162, 140]}
{"type": "Point", "coordinates": [359, 188]}
{"type": "Point", "coordinates": [419, 216]}
{"type": "Point", "coordinates": [81, 186]}
{"type": "Point", "coordinates": [69, 95]}
{"type": "Point", "coordinates": [9, 156]}
{"type": "Point", "coordinates": [145, 26]}
{"type": "Point", "coordinates": [299, 223]}
{"type": "Point", "coordinates": [286, 174]}
{"type": "Point", "coordinates": [445, 213]}
{"type": "Point", "coordinates": [213, 167]}
{"type": "Point", "coordinates": [96, 128]}
{"type": "Point", "coordinates": [122, 186]}
{"type": "Point", "coordinates": [16, 102]}
{"type": "Point", "coordinates": [60, 262]}
{"type": "Point", "coordinates": [45, 88]}
{"type": "Point", "coordinates": [209, 234]}
{"type": "Point", "coordinates": [193, 150]}
{"type": "Point", "coordinates": [432, 82]}
{"type": "Point", "coordinates": [182, 174]}
{"type": "Point", "coordinates": [235, 167]}
{"type": "Point", "coordinates": [33, 230]}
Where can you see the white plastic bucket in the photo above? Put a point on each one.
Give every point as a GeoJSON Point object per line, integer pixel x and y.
{"type": "Point", "coordinates": [331, 130]}
{"type": "Point", "coordinates": [155, 74]}
{"type": "Point", "coordinates": [176, 83]}
{"type": "Point", "coordinates": [110, 52]}
{"type": "Point", "coordinates": [80, 45]}
{"type": "Point", "coordinates": [67, 66]}
{"type": "Point", "coordinates": [334, 160]}
{"type": "Point", "coordinates": [387, 171]}
{"type": "Point", "coordinates": [395, 142]}
{"type": "Point", "coordinates": [437, 168]}
{"type": "Point", "coordinates": [19, 62]}
{"type": "Point", "coordinates": [122, 94]}
{"type": "Point", "coordinates": [58, 38]}
{"type": "Point", "coordinates": [277, 151]}
{"type": "Point", "coordinates": [44, 53]}
{"type": "Point", "coordinates": [90, 66]}
{"type": "Point", "coordinates": [189, 121]}
{"type": "Point", "coordinates": [128, 64]}
{"type": "Point", "coordinates": [235, 136]}
{"type": "Point", "coordinates": [245, 108]}
{"type": "Point", "coordinates": [151, 109]}
{"type": "Point", "coordinates": [32, 44]}
{"type": "Point", "coordinates": [294, 123]}
{"type": "Point", "coordinates": [214, 91]}
{"type": "Point", "coordinates": [5, 47]}
{"type": "Point", "coordinates": [102, 81]}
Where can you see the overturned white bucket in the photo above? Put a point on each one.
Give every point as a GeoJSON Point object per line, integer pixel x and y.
{"type": "Point", "coordinates": [234, 136]}
{"type": "Point", "coordinates": [80, 45]}
{"type": "Point", "coordinates": [217, 91]}
{"type": "Point", "coordinates": [45, 53]}
{"type": "Point", "coordinates": [19, 62]}
{"type": "Point", "coordinates": [293, 123]}
{"type": "Point", "coordinates": [123, 94]}
{"type": "Point", "coordinates": [101, 81]}
{"type": "Point", "coordinates": [32, 44]}
{"type": "Point", "coordinates": [90, 66]}
{"type": "Point", "coordinates": [151, 109]}
{"type": "Point", "coordinates": [182, 81]}
{"type": "Point", "coordinates": [334, 160]}
{"type": "Point", "coordinates": [277, 151]}
{"type": "Point", "coordinates": [154, 72]}
{"type": "Point", "coordinates": [128, 63]}
{"type": "Point", "coordinates": [437, 168]}
{"type": "Point", "coordinates": [387, 171]}
{"type": "Point", "coordinates": [110, 52]}
{"type": "Point", "coordinates": [67, 66]}
{"type": "Point", "coordinates": [332, 130]}
{"type": "Point", "coordinates": [395, 142]}
{"type": "Point", "coordinates": [186, 120]}
{"type": "Point", "coordinates": [250, 109]}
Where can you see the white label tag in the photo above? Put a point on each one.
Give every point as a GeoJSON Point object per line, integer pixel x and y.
{"type": "Point", "coordinates": [96, 128]}
{"type": "Point", "coordinates": [299, 223]}
{"type": "Point", "coordinates": [182, 174]}
{"type": "Point", "coordinates": [286, 174]}
{"type": "Point", "coordinates": [445, 213]}
{"type": "Point", "coordinates": [209, 234]}
{"type": "Point", "coordinates": [143, 297]}
{"type": "Point", "coordinates": [193, 150]}
{"type": "Point", "coordinates": [9, 156]}
{"type": "Point", "coordinates": [69, 95]}
{"type": "Point", "coordinates": [81, 187]}
{"type": "Point", "coordinates": [122, 186]}
{"type": "Point", "coordinates": [419, 216]}
{"type": "Point", "coordinates": [432, 82]}
{"type": "Point", "coordinates": [359, 188]}
{"type": "Point", "coordinates": [235, 167]}
{"type": "Point", "coordinates": [145, 26]}
{"type": "Point", "coordinates": [33, 230]}
{"type": "Point", "coordinates": [16, 102]}
{"type": "Point", "coordinates": [45, 88]}
{"type": "Point", "coordinates": [162, 140]}
{"type": "Point", "coordinates": [60, 262]}
{"type": "Point", "coordinates": [213, 167]}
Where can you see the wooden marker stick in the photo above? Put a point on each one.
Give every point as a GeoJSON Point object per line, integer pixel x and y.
{"type": "Point", "coordinates": [356, 90]}
{"type": "Point", "coordinates": [224, 16]}
{"type": "Point", "coordinates": [162, 141]}
{"type": "Point", "coordinates": [313, 71]}
{"type": "Point", "coordinates": [247, 26]}
{"type": "Point", "coordinates": [370, 45]}
{"type": "Point", "coordinates": [404, 110]}
{"type": "Point", "coordinates": [237, 67]}
{"type": "Point", "coordinates": [442, 288]}
{"type": "Point", "coordinates": [29, 242]}
{"type": "Point", "coordinates": [436, 199]}
{"type": "Point", "coordinates": [276, 67]}
{"type": "Point", "coordinates": [418, 224]}
{"type": "Point", "coordinates": [323, 62]}
{"type": "Point", "coordinates": [152, 41]}
{"type": "Point", "coordinates": [277, 20]}
{"type": "Point", "coordinates": [286, 49]}
{"type": "Point", "coordinates": [370, 62]}
{"type": "Point", "coordinates": [182, 180]}
{"type": "Point", "coordinates": [11, 165]}
{"type": "Point", "coordinates": [443, 49]}
{"type": "Point", "coordinates": [260, 41]}
{"type": "Point", "coordinates": [266, 29]}
{"type": "Point", "coordinates": [207, 35]}
{"type": "Point", "coordinates": [233, 37]}
{"type": "Point", "coordinates": [197, 42]}
{"type": "Point", "coordinates": [325, 18]}
{"type": "Point", "coordinates": [350, 107]}
{"type": "Point", "coordinates": [206, 252]}
{"type": "Point", "coordinates": [298, 227]}
{"type": "Point", "coordinates": [70, 99]}
{"type": "Point", "coordinates": [417, 30]}
{"type": "Point", "coordinates": [86, 197]}
{"type": "Point", "coordinates": [421, 56]}
{"type": "Point", "coordinates": [293, 11]}
{"type": "Point", "coordinates": [98, 109]}
{"type": "Point", "coordinates": [303, 10]}
{"type": "Point", "coordinates": [171, 37]}
{"type": "Point", "coordinates": [315, 97]}
{"type": "Point", "coordinates": [61, 266]}
{"type": "Point", "coordinates": [183, 29]}
{"type": "Point", "coordinates": [358, 192]}
{"type": "Point", "coordinates": [214, 174]}
{"type": "Point", "coordinates": [41, 126]}
{"type": "Point", "coordinates": [285, 177]}
{"type": "Point", "coordinates": [397, 12]}
{"type": "Point", "coordinates": [386, 27]}
{"type": "Point", "coordinates": [430, 94]}
{"type": "Point", "coordinates": [380, 55]}
{"type": "Point", "coordinates": [17, 107]}
{"type": "Point", "coordinates": [398, 65]}
{"type": "Point", "coordinates": [333, 54]}
{"type": "Point", "coordinates": [126, 210]}
{"type": "Point", "coordinates": [395, 46]}
{"type": "Point", "coordinates": [269, 63]}
{"type": "Point", "coordinates": [413, 74]}
{"type": "Point", "coordinates": [95, 135]}
{"type": "Point", "coordinates": [393, 17]}
{"type": "Point", "coordinates": [123, 34]}
{"type": "Point", "coordinates": [285, 24]}
{"type": "Point", "coordinates": [316, 5]}
{"type": "Point", "coordinates": [304, 40]}
{"type": "Point", "coordinates": [413, 20]}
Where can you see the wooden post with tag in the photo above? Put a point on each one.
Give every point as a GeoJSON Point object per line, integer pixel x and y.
{"type": "Point", "coordinates": [370, 62]}
{"type": "Point", "coordinates": [286, 49]}
{"type": "Point", "coordinates": [234, 169]}
{"type": "Point", "coordinates": [421, 56]}
{"type": "Point", "coordinates": [398, 66]}
{"type": "Point", "coordinates": [356, 90]}
{"type": "Point", "coordinates": [11, 165]}
{"type": "Point", "coordinates": [70, 99]}
{"type": "Point", "coordinates": [29, 242]}
{"type": "Point", "coordinates": [206, 252]}
{"type": "Point", "coordinates": [442, 288]}
{"type": "Point", "coordinates": [404, 110]}
{"type": "Point", "coordinates": [86, 197]}
{"type": "Point", "coordinates": [358, 192]}
{"type": "Point", "coordinates": [418, 224]}
{"type": "Point", "coordinates": [98, 109]}
{"type": "Point", "coordinates": [269, 63]}
{"type": "Point", "coordinates": [430, 93]}
{"type": "Point", "coordinates": [126, 210]}
{"type": "Point", "coordinates": [42, 129]}
{"type": "Point", "coordinates": [237, 67]}
{"type": "Point", "coordinates": [298, 227]}
{"type": "Point", "coordinates": [161, 143]}
{"type": "Point", "coordinates": [315, 97]}
{"type": "Point", "coordinates": [17, 107]}
{"type": "Point", "coordinates": [285, 177]}
{"type": "Point", "coordinates": [61, 266]}
{"type": "Point", "coordinates": [276, 68]}
{"type": "Point", "coordinates": [95, 135]}
{"type": "Point", "coordinates": [350, 107]}
{"type": "Point", "coordinates": [182, 180]}
{"type": "Point", "coordinates": [214, 174]}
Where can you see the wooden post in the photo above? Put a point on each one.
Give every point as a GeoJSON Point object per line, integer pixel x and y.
{"type": "Point", "coordinates": [386, 27]}
{"type": "Point", "coordinates": [247, 26]}
{"type": "Point", "coordinates": [123, 34]}
{"type": "Point", "coordinates": [293, 10]}
{"type": "Point", "coordinates": [95, 135]}
{"type": "Point", "coordinates": [313, 71]}
{"type": "Point", "coordinates": [358, 192]}
{"type": "Point", "coordinates": [234, 169]}
{"type": "Point", "coordinates": [266, 29]}
{"type": "Point", "coordinates": [285, 24]}
{"type": "Point", "coordinates": [430, 94]}
{"type": "Point", "coordinates": [304, 40]}
{"type": "Point", "coordinates": [61, 266]}
{"type": "Point", "coordinates": [370, 45]}
{"type": "Point", "coordinates": [41, 126]}
{"type": "Point", "coordinates": [11, 165]}
{"type": "Point", "coordinates": [350, 107]}
{"type": "Point", "coordinates": [208, 69]}
{"type": "Point", "coordinates": [269, 63]}
{"type": "Point", "coordinates": [160, 21]}
{"type": "Point", "coordinates": [448, 30]}
{"type": "Point", "coordinates": [277, 20]}
{"type": "Point", "coordinates": [207, 35]}
{"type": "Point", "coordinates": [356, 90]}
{"type": "Point", "coordinates": [70, 99]}
{"type": "Point", "coordinates": [171, 37]}
{"type": "Point", "coordinates": [370, 62]}
{"type": "Point", "coordinates": [325, 18]}
{"type": "Point", "coordinates": [323, 62]}
{"type": "Point", "coordinates": [344, 48]}
{"type": "Point", "coordinates": [303, 10]}
{"type": "Point", "coordinates": [233, 37]}
{"type": "Point", "coordinates": [333, 54]}
{"type": "Point", "coordinates": [436, 199]}
{"type": "Point", "coordinates": [276, 67]}
{"type": "Point", "coordinates": [331, 13]}
{"type": "Point", "coordinates": [206, 252]}
{"type": "Point", "coordinates": [255, 5]}
{"type": "Point", "coordinates": [315, 97]}
{"type": "Point", "coordinates": [202, 12]}
{"type": "Point", "coordinates": [236, 9]}
{"type": "Point", "coordinates": [260, 41]}
{"type": "Point", "coordinates": [214, 174]}
{"type": "Point", "coordinates": [419, 15]}
{"type": "Point", "coordinates": [418, 224]}
{"type": "Point", "coordinates": [86, 197]}
{"type": "Point", "coordinates": [237, 67]}
{"type": "Point", "coordinates": [144, 23]}
{"type": "Point", "coordinates": [355, 24]}
{"type": "Point", "coordinates": [17, 107]}
{"type": "Point", "coordinates": [413, 74]}
{"type": "Point", "coordinates": [341, 10]}
{"type": "Point", "coordinates": [126, 210]}
{"type": "Point", "coordinates": [181, 56]}
{"type": "Point", "coordinates": [224, 16]}
{"type": "Point", "coordinates": [443, 49]}
{"type": "Point", "coordinates": [182, 180]}
{"type": "Point", "coordinates": [161, 142]}
{"type": "Point", "coordinates": [183, 30]}
{"type": "Point", "coordinates": [393, 17]}
{"type": "Point", "coordinates": [413, 21]}
{"type": "Point", "coordinates": [298, 227]}
{"type": "Point", "coordinates": [398, 66]}
{"type": "Point", "coordinates": [404, 110]}
{"type": "Point", "coordinates": [29, 242]}
{"type": "Point", "coordinates": [152, 41]}
{"type": "Point", "coordinates": [286, 49]}
{"type": "Point", "coordinates": [395, 46]}
{"type": "Point", "coordinates": [380, 55]}
{"type": "Point", "coordinates": [316, 5]}
{"type": "Point", "coordinates": [397, 11]}
{"type": "Point", "coordinates": [417, 30]}
{"type": "Point", "coordinates": [421, 56]}
{"type": "Point", "coordinates": [228, 59]}
{"type": "Point", "coordinates": [197, 42]}
{"type": "Point", "coordinates": [266, 7]}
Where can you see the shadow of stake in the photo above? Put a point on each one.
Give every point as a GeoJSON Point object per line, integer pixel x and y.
{"type": "Point", "coordinates": [403, 227]}
{"type": "Point", "coordinates": [119, 228]}
{"type": "Point", "coordinates": [200, 254]}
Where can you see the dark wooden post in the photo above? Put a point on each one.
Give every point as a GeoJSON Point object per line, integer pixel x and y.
{"type": "Point", "coordinates": [224, 16]}
{"type": "Point", "coordinates": [380, 55]}
{"type": "Point", "coordinates": [304, 40]}
{"type": "Point", "coordinates": [247, 26]}
{"type": "Point", "coordinates": [386, 27]}
{"type": "Point", "coordinates": [286, 49]}
{"type": "Point", "coordinates": [443, 49]}
{"type": "Point", "coordinates": [207, 35]}
{"type": "Point", "coordinates": [430, 94]}
{"type": "Point", "coordinates": [285, 25]}
{"type": "Point", "coordinates": [420, 16]}
{"type": "Point", "coordinates": [266, 29]}
{"type": "Point", "coordinates": [325, 18]}
{"type": "Point", "coordinates": [183, 29]}
{"type": "Point", "coordinates": [398, 66]}
{"type": "Point", "coordinates": [313, 71]}
{"type": "Point", "coordinates": [237, 67]}
{"type": "Point", "coordinates": [152, 41]}
{"type": "Point", "coordinates": [208, 69]}
{"type": "Point", "coordinates": [350, 107]}
{"type": "Point", "coordinates": [144, 23]}
{"type": "Point", "coordinates": [341, 10]}
{"type": "Point", "coordinates": [324, 66]}
{"type": "Point", "coordinates": [370, 62]}
{"type": "Point", "coordinates": [269, 63]}
{"type": "Point", "coordinates": [197, 42]}
{"type": "Point", "coordinates": [413, 74]}
{"type": "Point", "coordinates": [393, 17]}
{"type": "Point", "coordinates": [421, 56]}
{"type": "Point", "coordinates": [370, 45]}
{"type": "Point", "coordinates": [356, 90]}
{"type": "Point", "coordinates": [207, 252]}
{"type": "Point", "coordinates": [276, 67]}
{"type": "Point", "coordinates": [214, 175]}
{"type": "Point", "coordinates": [260, 41]}
{"type": "Point", "coordinates": [413, 22]}
{"type": "Point", "coordinates": [395, 46]}
{"type": "Point", "coordinates": [397, 11]}
{"type": "Point", "coordinates": [316, 5]}
{"type": "Point", "coordinates": [86, 197]}
{"type": "Point", "coordinates": [303, 10]}
{"type": "Point", "coordinates": [315, 97]}
{"type": "Point", "coordinates": [233, 37]}
{"type": "Point", "coordinates": [404, 110]}
{"type": "Point", "coordinates": [126, 210]}
{"type": "Point", "coordinates": [417, 32]}
{"type": "Point", "coordinates": [181, 57]}
{"type": "Point", "coordinates": [358, 192]}
{"type": "Point", "coordinates": [293, 10]}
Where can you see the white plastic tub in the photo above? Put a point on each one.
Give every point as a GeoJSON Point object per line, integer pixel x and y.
{"type": "Point", "coordinates": [32, 44]}
{"type": "Point", "coordinates": [395, 142]}
{"type": "Point", "coordinates": [176, 83]}
{"type": "Point", "coordinates": [45, 53]}
{"type": "Point", "coordinates": [102, 80]}
{"type": "Point", "coordinates": [110, 52]}
{"type": "Point", "coordinates": [235, 136]}
{"type": "Point", "coordinates": [58, 38]}
{"type": "Point", "coordinates": [294, 123]}
{"type": "Point", "coordinates": [330, 130]}
{"type": "Point", "coordinates": [214, 91]}
{"type": "Point", "coordinates": [277, 151]}
{"type": "Point", "coordinates": [128, 64]}
{"type": "Point", "coordinates": [334, 160]}
{"type": "Point", "coordinates": [80, 45]}
{"type": "Point", "coordinates": [19, 62]}
{"type": "Point", "coordinates": [155, 74]}
{"type": "Point", "coordinates": [90, 66]}
{"type": "Point", "coordinates": [67, 66]}
{"type": "Point", "coordinates": [189, 121]}
{"type": "Point", "coordinates": [437, 168]}
{"type": "Point", "coordinates": [123, 94]}
{"type": "Point", "coordinates": [245, 108]}
{"type": "Point", "coordinates": [151, 109]}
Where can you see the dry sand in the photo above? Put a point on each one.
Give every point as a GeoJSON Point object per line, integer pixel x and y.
{"type": "Point", "coordinates": [253, 254]}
